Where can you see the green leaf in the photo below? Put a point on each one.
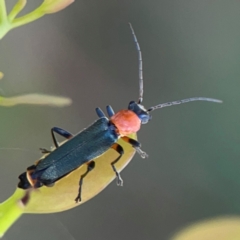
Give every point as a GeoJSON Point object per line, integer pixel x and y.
{"type": "Point", "coordinates": [12, 209]}
{"type": "Point", "coordinates": [9, 22]}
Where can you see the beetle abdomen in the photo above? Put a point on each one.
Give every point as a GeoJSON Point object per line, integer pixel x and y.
{"type": "Point", "coordinates": [24, 183]}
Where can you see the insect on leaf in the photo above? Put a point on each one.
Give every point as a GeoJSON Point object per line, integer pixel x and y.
{"type": "Point", "coordinates": [62, 195]}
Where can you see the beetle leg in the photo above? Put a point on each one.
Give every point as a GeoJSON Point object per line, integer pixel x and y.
{"type": "Point", "coordinates": [110, 111]}
{"type": "Point", "coordinates": [100, 113]}
{"type": "Point", "coordinates": [62, 133]}
{"type": "Point", "coordinates": [136, 145]}
{"type": "Point", "coordinates": [44, 150]}
{"type": "Point", "coordinates": [59, 131]}
{"type": "Point", "coordinates": [49, 185]}
{"type": "Point", "coordinates": [90, 167]}
{"type": "Point", "coordinates": [32, 167]}
{"type": "Point", "coordinates": [120, 150]}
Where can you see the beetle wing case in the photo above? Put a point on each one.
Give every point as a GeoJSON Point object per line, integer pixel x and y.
{"type": "Point", "coordinates": [88, 144]}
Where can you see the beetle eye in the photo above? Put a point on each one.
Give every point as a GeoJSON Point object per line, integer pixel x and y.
{"type": "Point", "coordinates": [145, 118]}
{"type": "Point", "coordinates": [144, 121]}
{"type": "Point", "coordinates": [131, 105]}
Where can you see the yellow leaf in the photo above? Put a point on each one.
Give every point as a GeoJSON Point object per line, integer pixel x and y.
{"type": "Point", "coordinates": [222, 228]}
{"type": "Point", "coordinates": [1, 75]}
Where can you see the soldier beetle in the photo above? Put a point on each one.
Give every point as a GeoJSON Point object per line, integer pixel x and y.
{"type": "Point", "coordinates": [95, 140]}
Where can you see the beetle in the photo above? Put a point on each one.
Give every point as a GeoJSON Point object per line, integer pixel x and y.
{"type": "Point", "coordinates": [95, 140]}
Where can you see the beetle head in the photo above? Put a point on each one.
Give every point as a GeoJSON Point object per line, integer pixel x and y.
{"type": "Point", "coordinates": [140, 111]}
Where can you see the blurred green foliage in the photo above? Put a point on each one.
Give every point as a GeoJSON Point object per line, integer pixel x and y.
{"type": "Point", "coordinates": [9, 21]}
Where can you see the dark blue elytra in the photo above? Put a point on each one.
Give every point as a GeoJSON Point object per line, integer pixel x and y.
{"type": "Point", "coordinates": [76, 151]}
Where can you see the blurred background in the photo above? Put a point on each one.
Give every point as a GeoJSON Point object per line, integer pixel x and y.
{"type": "Point", "coordinates": [86, 52]}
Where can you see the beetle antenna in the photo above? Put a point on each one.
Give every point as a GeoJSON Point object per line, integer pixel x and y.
{"type": "Point", "coordinates": [168, 104]}
{"type": "Point", "coordinates": [140, 69]}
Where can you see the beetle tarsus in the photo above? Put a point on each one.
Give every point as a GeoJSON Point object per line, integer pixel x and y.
{"type": "Point", "coordinates": [136, 145]}
{"type": "Point", "coordinates": [78, 199]}
{"type": "Point", "coordinates": [118, 176]}
{"type": "Point", "coordinates": [120, 150]}
{"type": "Point", "coordinates": [44, 150]}
{"type": "Point", "coordinates": [141, 152]}
{"type": "Point", "coordinates": [119, 180]}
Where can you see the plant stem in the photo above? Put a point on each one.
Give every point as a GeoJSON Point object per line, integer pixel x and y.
{"type": "Point", "coordinates": [4, 23]}
{"type": "Point", "coordinates": [27, 18]}
{"type": "Point", "coordinates": [3, 12]}
{"type": "Point", "coordinates": [18, 7]}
